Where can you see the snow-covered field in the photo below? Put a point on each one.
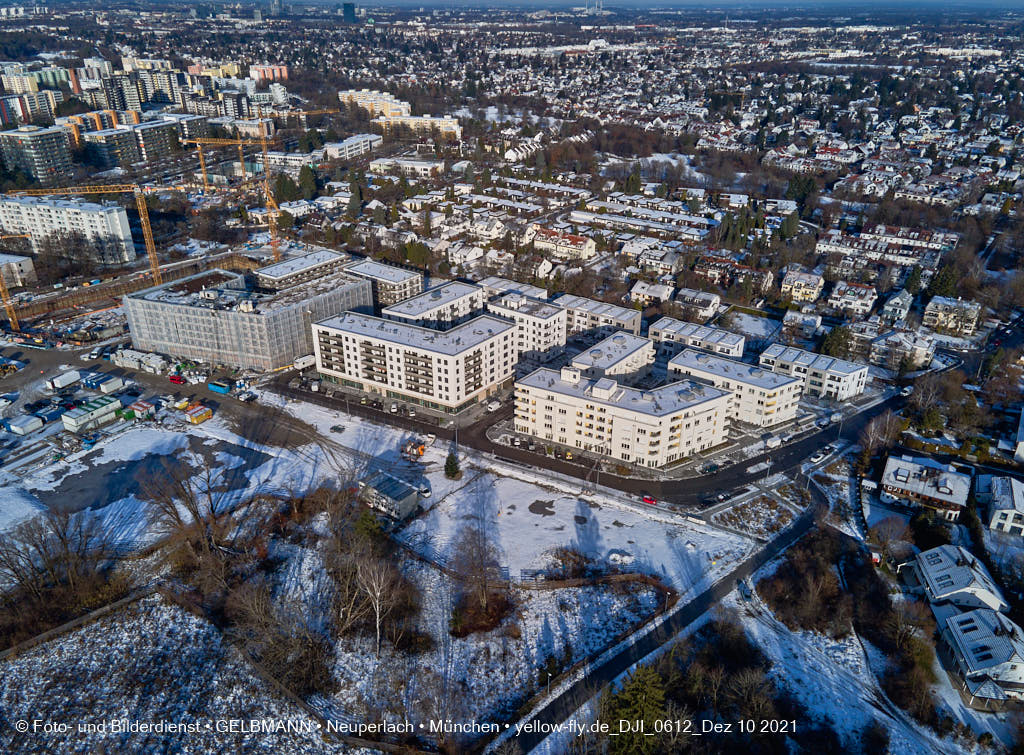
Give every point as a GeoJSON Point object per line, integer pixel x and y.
{"type": "Point", "coordinates": [530, 516]}
{"type": "Point", "coordinates": [752, 326]}
{"type": "Point", "coordinates": [151, 662]}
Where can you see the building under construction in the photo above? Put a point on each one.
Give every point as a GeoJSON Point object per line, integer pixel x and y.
{"type": "Point", "coordinates": [230, 319]}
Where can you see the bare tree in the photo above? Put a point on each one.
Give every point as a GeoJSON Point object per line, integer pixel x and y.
{"type": "Point", "coordinates": [379, 581]}
{"type": "Point", "coordinates": [475, 561]}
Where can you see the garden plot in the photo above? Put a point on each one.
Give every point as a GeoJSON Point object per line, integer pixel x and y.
{"type": "Point", "coordinates": [149, 662]}
{"type": "Point", "coordinates": [755, 328]}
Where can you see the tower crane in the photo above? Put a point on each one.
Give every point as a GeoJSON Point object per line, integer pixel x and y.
{"type": "Point", "coordinates": [12, 316]}
{"type": "Point", "coordinates": [139, 192]}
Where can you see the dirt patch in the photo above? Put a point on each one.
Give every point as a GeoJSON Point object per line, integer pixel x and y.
{"type": "Point", "coordinates": [762, 516]}
{"type": "Point", "coordinates": [542, 508]}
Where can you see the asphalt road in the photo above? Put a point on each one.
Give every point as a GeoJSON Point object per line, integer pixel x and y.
{"type": "Point", "coordinates": [688, 492]}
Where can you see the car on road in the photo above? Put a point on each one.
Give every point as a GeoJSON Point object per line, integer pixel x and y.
{"type": "Point", "coordinates": [337, 428]}
{"type": "Point", "coordinates": [493, 406]}
{"type": "Point", "coordinates": [568, 455]}
{"type": "Point", "coordinates": [650, 500]}
{"type": "Point", "coordinates": [394, 408]}
{"type": "Point", "coordinates": [907, 391]}
{"type": "Point", "coordinates": [425, 492]}
{"type": "Point", "coordinates": [818, 456]}
{"type": "Point", "coordinates": [412, 412]}
{"type": "Point", "coordinates": [363, 400]}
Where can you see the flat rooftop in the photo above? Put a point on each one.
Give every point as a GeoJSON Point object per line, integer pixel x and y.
{"type": "Point", "coordinates": [703, 333]}
{"type": "Point", "coordinates": [657, 402]}
{"type": "Point", "coordinates": [509, 286]}
{"type": "Point", "coordinates": [810, 360]}
{"type": "Point", "coordinates": [610, 351]}
{"type": "Point", "coordinates": [449, 342]}
{"type": "Point", "coordinates": [294, 265]}
{"type": "Point", "coordinates": [380, 271]}
{"type": "Point", "coordinates": [594, 307]}
{"type": "Point", "coordinates": [441, 296]}
{"type": "Point", "coordinates": [528, 305]}
{"type": "Point", "coordinates": [741, 372]}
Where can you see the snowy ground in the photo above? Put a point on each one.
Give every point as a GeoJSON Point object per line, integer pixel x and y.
{"type": "Point", "coordinates": [753, 327]}
{"type": "Point", "coordinates": [530, 516]}
{"type": "Point", "coordinates": [484, 677]}
{"type": "Point", "coordinates": [150, 662]}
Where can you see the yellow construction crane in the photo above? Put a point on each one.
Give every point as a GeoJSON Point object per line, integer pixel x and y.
{"type": "Point", "coordinates": [139, 192]}
{"type": "Point", "coordinates": [12, 316]}
{"type": "Point", "coordinates": [212, 142]}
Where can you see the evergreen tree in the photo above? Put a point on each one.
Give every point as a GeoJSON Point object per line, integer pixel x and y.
{"type": "Point", "coordinates": [913, 284]}
{"type": "Point", "coordinates": [307, 182]}
{"type": "Point", "coordinates": [642, 699]}
{"type": "Point", "coordinates": [451, 467]}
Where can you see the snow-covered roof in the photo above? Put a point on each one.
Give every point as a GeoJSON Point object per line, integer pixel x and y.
{"type": "Point", "coordinates": [950, 573]}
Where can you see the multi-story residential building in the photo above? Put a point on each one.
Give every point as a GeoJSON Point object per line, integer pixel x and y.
{"type": "Point", "coordinates": [921, 482]}
{"type": "Point", "coordinates": [1006, 506]}
{"type": "Point", "coordinates": [567, 246]}
{"type": "Point", "coordinates": [390, 284]}
{"type": "Point", "coordinates": [948, 315]}
{"type": "Point", "coordinates": [439, 308]}
{"type": "Point", "coordinates": [756, 396]}
{"type": "Point", "coordinates": [156, 139]}
{"type": "Point", "coordinates": [672, 336]}
{"type": "Point", "coordinates": [352, 147]}
{"type": "Point", "coordinates": [540, 327]}
{"type": "Point", "coordinates": [407, 166]}
{"type": "Point", "coordinates": [724, 271]}
{"type": "Point", "coordinates": [268, 72]}
{"type": "Point", "coordinates": [596, 319]}
{"type": "Point", "coordinates": [495, 286]}
{"type": "Point", "coordinates": [802, 287]}
{"type": "Point", "coordinates": [212, 317]}
{"type": "Point", "coordinates": [375, 103]}
{"type": "Point", "coordinates": [111, 147]}
{"type": "Point", "coordinates": [42, 153]}
{"type": "Point", "coordinates": [701, 304]}
{"type": "Point", "coordinates": [447, 371]}
{"type": "Point", "coordinates": [421, 124]}
{"type": "Point", "coordinates": [295, 270]}
{"type": "Point", "coordinates": [823, 376]}
{"type": "Point", "coordinates": [17, 271]}
{"type": "Point", "coordinates": [623, 357]}
{"type": "Point", "coordinates": [650, 428]}
{"type": "Point", "coordinates": [852, 298]}
{"type": "Point", "coordinates": [105, 225]}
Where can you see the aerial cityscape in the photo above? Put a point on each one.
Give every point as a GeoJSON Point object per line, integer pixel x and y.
{"type": "Point", "coordinates": [517, 379]}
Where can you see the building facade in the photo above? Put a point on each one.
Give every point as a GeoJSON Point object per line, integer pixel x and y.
{"type": "Point", "coordinates": [823, 376]}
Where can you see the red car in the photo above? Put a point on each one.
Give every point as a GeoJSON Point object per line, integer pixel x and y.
{"type": "Point", "coordinates": [649, 499]}
{"type": "Point", "coordinates": [177, 379]}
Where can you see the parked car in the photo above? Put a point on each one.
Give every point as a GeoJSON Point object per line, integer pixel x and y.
{"type": "Point", "coordinates": [177, 379]}
{"type": "Point", "coordinates": [394, 408]}
{"type": "Point", "coordinates": [493, 406]}
{"type": "Point", "coordinates": [650, 500]}
{"type": "Point", "coordinates": [818, 456]}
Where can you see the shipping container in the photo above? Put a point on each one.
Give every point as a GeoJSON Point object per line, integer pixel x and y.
{"type": "Point", "coordinates": [63, 380]}
{"type": "Point", "coordinates": [24, 424]}
{"type": "Point", "coordinates": [219, 386]}
{"type": "Point", "coordinates": [111, 384]}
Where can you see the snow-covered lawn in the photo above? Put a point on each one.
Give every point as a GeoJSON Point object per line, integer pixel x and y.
{"type": "Point", "coordinates": [529, 516]}
{"type": "Point", "coordinates": [752, 326]}
{"type": "Point", "coordinates": [150, 662]}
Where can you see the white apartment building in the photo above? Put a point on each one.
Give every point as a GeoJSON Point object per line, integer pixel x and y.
{"type": "Point", "coordinates": [440, 308]}
{"type": "Point", "coordinates": [825, 376]}
{"type": "Point", "coordinates": [105, 225]}
{"type": "Point", "coordinates": [17, 270]}
{"type": "Point", "coordinates": [650, 428]}
{"type": "Point", "coordinates": [540, 327]}
{"type": "Point", "coordinates": [802, 287]}
{"type": "Point", "coordinates": [447, 371]}
{"type": "Point", "coordinates": [495, 286]}
{"type": "Point", "coordinates": [566, 246]}
{"type": "Point", "coordinates": [374, 102]}
{"type": "Point", "coordinates": [756, 397]}
{"type": "Point", "coordinates": [672, 336]}
{"type": "Point", "coordinates": [703, 304]}
{"type": "Point", "coordinates": [390, 284]}
{"type": "Point", "coordinates": [404, 166]}
{"type": "Point", "coordinates": [949, 315]}
{"type": "Point", "coordinates": [852, 298]}
{"type": "Point", "coordinates": [593, 318]}
{"type": "Point", "coordinates": [353, 146]}
{"type": "Point", "coordinates": [422, 124]}
{"type": "Point", "coordinates": [623, 357]}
